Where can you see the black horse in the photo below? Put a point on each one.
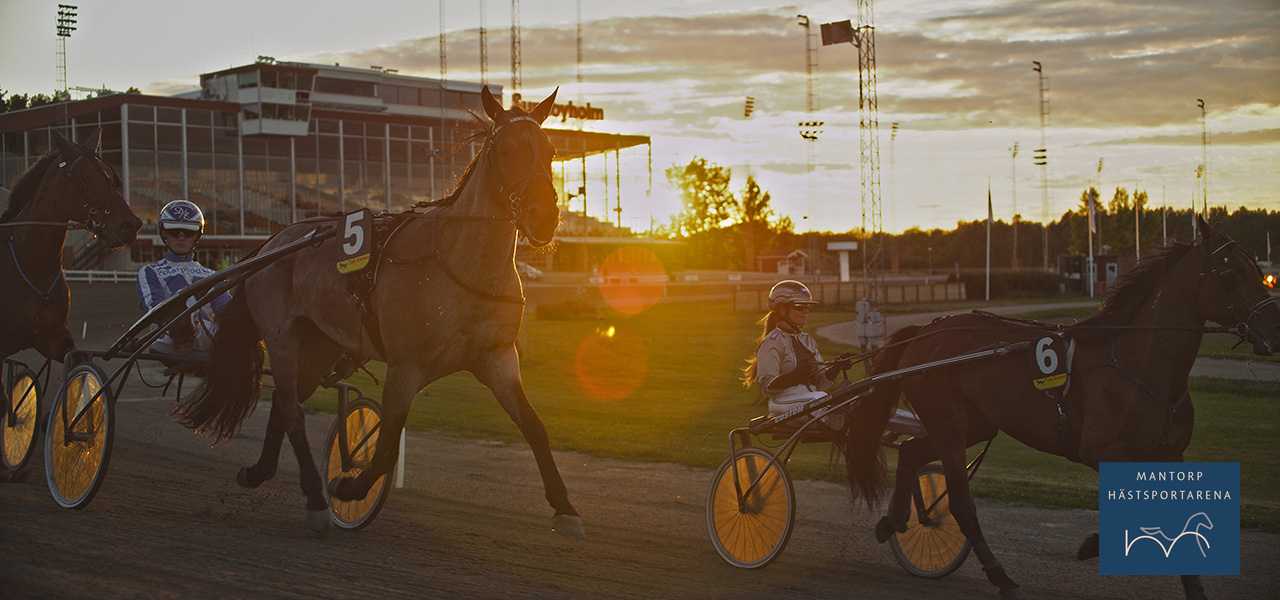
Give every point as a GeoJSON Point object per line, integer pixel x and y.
{"type": "Point", "coordinates": [70, 184]}
{"type": "Point", "coordinates": [1127, 399]}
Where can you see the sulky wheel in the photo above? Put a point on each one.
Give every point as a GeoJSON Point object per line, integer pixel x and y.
{"type": "Point", "coordinates": [362, 423]}
{"type": "Point", "coordinates": [934, 546]}
{"type": "Point", "coordinates": [20, 423]}
{"type": "Point", "coordinates": [750, 522]}
{"type": "Point", "coordinates": [81, 429]}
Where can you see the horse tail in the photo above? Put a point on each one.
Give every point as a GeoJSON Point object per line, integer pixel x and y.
{"type": "Point", "coordinates": [864, 457]}
{"type": "Point", "coordinates": [229, 392]}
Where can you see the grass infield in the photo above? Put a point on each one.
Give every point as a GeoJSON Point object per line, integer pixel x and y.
{"type": "Point", "coordinates": [664, 386]}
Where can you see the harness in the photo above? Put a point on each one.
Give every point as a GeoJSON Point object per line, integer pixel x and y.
{"type": "Point", "coordinates": [362, 287]}
{"type": "Point", "coordinates": [91, 223]}
{"type": "Point", "coordinates": [1229, 282]}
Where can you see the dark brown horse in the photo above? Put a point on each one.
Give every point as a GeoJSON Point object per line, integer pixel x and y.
{"type": "Point", "coordinates": [70, 184]}
{"type": "Point", "coordinates": [447, 298]}
{"type": "Point", "coordinates": [1127, 399]}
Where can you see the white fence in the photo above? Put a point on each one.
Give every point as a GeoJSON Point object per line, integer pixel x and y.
{"type": "Point", "coordinates": [102, 276]}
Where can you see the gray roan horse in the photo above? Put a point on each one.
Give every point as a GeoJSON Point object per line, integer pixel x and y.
{"type": "Point", "coordinates": [69, 184]}
{"type": "Point", "coordinates": [447, 298]}
{"type": "Point", "coordinates": [1127, 399]}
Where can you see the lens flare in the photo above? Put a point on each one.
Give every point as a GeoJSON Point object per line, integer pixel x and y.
{"type": "Point", "coordinates": [632, 280]}
{"type": "Point", "coordinates": [610, 364]}
{"type": "Point", "coordinates": [1270, 280]}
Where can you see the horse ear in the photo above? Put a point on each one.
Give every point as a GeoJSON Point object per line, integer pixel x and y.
{"type": "Point", "coordinates": [543, 109]}
{"type": "Point", "coordinates": [1203, 227]}
{"type": "Point", "coordinates": [492, 107]}
{"type": "Point", "coordinates": [94, 141]}
{"type": "Point", "coordinates": [65, 147]}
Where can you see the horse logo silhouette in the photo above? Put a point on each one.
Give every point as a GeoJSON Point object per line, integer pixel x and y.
{"type": "Point", "coordinates": [1196, 523]}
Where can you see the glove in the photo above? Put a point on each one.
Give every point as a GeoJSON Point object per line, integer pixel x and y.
{"type": "Point", "coordinates": [839, 365]}
{"type": "Point", "coordinates": [183, 333]}
{"type": "Point", "coordinates": [797, 377]}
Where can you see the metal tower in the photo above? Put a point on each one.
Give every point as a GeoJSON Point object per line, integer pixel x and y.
{"type": "Point", "coordinates": [516, 82]}
{"type": "Point", "coordinates": [444, 63]}
{"type": "Point", "coordinates": [1042, 158]}
{"type": "Point", "coordinates": [66, 24]}
{"type": "Point", "coordinates": [484, 48]}
{"type": "Point", "coordinates": [869, 135]}
{"type": "Point", "coordinates": [810, 64]}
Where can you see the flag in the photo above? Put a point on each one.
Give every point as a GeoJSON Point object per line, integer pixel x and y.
{"type": "Point", "coordinates": [1093, 224]}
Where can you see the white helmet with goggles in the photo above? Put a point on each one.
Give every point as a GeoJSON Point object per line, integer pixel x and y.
{"type": "Point", "coordinates": [789, 292]}
{"type": "Point", "coordinates": [181, 214]}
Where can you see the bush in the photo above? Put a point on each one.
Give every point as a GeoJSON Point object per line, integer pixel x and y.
{"type": "Point", "coordinates": [1013, 284]}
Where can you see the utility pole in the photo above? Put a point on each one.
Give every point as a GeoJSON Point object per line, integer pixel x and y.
{"type": "Point", "coordinates": [1013, 165]}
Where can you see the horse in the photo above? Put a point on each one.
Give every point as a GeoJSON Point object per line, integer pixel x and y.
{"type": "Point", "coordinates": [446, 298]}
{"type": "Point", "coordinates": [69, 184]}
{"type": "Point", "coordinates": [1126, 399]}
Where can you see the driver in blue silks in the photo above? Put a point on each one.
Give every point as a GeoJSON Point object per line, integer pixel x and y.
{"type": "Point", "coordinates": [181, 225]}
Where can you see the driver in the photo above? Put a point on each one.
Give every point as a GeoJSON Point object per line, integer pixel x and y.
{"type": "Point", "coordinates": [787, 364]}
{"type": "Point", "coordinates": [181, 224]}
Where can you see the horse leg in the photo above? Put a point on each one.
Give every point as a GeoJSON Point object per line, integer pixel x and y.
{"type": "Point", "coordinates": [951, 449]}
{"type": "Point", "coordinates": [402, 385]}
{"type": "Point", "coordinates": [287, 418]}
{"type": "Point", "coordinates": [500, 372]}
{"type": "Point", "coordinates": [913, 455]}
{"type": "Point", "coordinates": [256, 474]}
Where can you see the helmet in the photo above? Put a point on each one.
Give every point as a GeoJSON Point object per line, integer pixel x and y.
{"type": "Point", "coordinates": [182, 214]}
{"type": "Point", "coordinates": [789, 292]}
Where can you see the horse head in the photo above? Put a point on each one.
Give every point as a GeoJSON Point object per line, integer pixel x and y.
{"type": "Point", "coordinates": [522, 156]}
{"type": "Point", "coordinates": [87, 190]}
{"type": "Point", "coordinates": [1233, 293]}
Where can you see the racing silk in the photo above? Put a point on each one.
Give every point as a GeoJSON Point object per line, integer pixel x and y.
{"type": "Point", "coordinates": [166, 277]}
{"type": "Point", "coordinates": [777, 355]}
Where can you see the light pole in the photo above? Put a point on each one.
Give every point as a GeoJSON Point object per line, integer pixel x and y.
{"type": "Point", "coordinates": [1100, 246]}
{"type": "Point", "coordinates": [1042, 157]}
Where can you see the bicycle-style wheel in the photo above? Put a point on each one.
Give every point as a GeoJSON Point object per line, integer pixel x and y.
{"type": "Point", "coordinates": [750, 522]}
{"type": "Point", "coordinates": [363, 423]}
{"type": "Point", "coordinates": [934, 546]}
{"type": "Point", "coordinates": [20, 423]}
{"type": "Point", "coordinates": [81, 429]}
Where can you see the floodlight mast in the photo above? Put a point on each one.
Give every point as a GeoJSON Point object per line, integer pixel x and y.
{"type": "Point", "coordinates": [863, 37]}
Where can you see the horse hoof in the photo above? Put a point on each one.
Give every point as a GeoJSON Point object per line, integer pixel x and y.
{"type": "Point", "coordinates": [318, 521]}
{"type": "Point", "coordinates": [342, 488]}
{"type": "Point", "coordinates": [1088, 548]}
{"type": "Point", "coordinates": [570, 525]}
{"type": "Point", "coordinates": [246, 479]}
{"type": "Point", "coordinates": [885, 530]}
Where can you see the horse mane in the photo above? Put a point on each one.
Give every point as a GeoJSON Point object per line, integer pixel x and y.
{"type": "Point", "coordinates": [486, 131]}
{"type": "Point", "coordinates": [1129, 294]}
{"type": "Point", "coordinates": [25, 188]}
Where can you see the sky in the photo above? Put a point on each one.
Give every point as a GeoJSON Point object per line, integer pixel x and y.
{"type": "Point", "coordinates": [1124, 77]}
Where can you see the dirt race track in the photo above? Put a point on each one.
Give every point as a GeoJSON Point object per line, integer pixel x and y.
{"type": "Point", "coordinates": [169, 522]}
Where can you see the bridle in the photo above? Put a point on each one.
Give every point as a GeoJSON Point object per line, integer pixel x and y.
{"type": "Point", "coordinates": [1230, 282]}
{"type": "Point", "coordinates": [515, 197]}
{"type": "Point", "coordinates": [95, 214]}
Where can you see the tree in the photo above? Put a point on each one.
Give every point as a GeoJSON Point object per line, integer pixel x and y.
{"type": "Point", "coordinates": [708, 203]}
{"type": "Point", "coordinates": [754, 215]}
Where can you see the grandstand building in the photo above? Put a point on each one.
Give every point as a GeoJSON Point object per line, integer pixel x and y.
{"type": "Point", "coordinates": [266, 144]}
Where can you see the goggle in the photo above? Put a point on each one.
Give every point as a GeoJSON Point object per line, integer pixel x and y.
{"type": "Point", "coordinates": [801, 307]}
{"type": "Point", "coordinates": [180, 233]}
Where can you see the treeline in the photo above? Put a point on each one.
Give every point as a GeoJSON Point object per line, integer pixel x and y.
{"type": "Point", "coordinates": [12, 102]}
{"type": "Point", "coordinates": [727, 230]}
